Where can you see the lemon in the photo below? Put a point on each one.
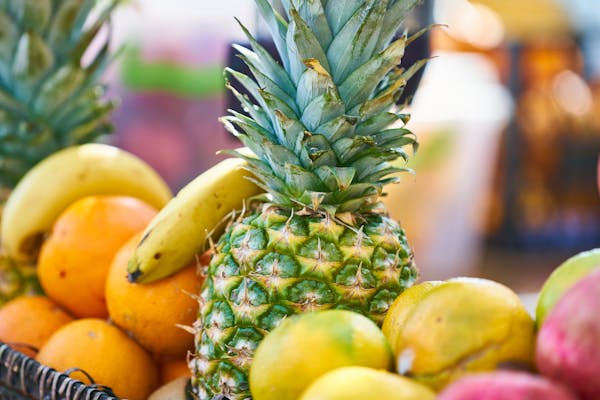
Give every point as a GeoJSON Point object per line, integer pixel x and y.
{"type": "Point", "coordinates": [457, 326]}
{"type": "Point", "coordinates": [562, 278]}
{"type": "Point", "coordinates": [305, 346]}
{"type": "Point", "coordinates": [400, 309]}
{"type": "Point", "coordinates": [360, 383]}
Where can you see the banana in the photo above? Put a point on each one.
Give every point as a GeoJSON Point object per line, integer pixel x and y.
{"type": "Point", "coordinates": [179, 232]}
{"type": "Point", "coordinates": [66, 176]}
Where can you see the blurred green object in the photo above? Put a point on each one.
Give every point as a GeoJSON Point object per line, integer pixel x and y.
{"type": "Point", "coordinates": [435, 152]}
{"type": "Point", "coordinates": [562, 279]}
{"type": "Point", "coordinates": [170, 76]}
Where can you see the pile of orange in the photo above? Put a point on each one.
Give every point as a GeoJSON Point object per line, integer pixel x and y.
{"type": "Point", "coordinates": [128, 337]}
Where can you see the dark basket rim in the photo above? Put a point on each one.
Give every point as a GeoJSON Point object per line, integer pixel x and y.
{"type": "Point", "coordinates": [25, 378]}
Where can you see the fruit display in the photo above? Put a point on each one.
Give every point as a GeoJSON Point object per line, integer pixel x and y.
{"type": "Point", "coordinates": [276, 274]}
{"type": "Point", "coordinates": [93, 321]}
{"type": "Point", "coordinates": [320, 130]}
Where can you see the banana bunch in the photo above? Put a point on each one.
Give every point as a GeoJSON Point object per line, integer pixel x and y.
{"type": "Point", "coordinates": [180, 230]}
{"type": "Point", "coordinates": [64, 177]}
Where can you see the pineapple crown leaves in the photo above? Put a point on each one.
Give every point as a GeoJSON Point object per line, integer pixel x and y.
{"type": "Point", "coordinates": [52, 53]}
{"type": "Point", "coordinates": [320, 121]}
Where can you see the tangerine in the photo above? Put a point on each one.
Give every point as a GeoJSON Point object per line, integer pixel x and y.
{"type": "Point", "coordinates": [171, 368]}
{"type": "Point", "coordinates": [76, 257]}
{"type": "Point", "coordinates": [153, 313]}
{"type": "Point", "coordinates": [106, 354]}
{"type": "Point", "coordinates": [27, 322]}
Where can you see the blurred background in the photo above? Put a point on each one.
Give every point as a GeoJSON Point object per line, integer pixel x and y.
{"type": "Point", "coordinates": [507, 112]}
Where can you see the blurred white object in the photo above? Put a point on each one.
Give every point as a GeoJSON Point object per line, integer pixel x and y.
{"type": "Point", "coordinates": [458, 88]}
{"type": "Point", "coordinates": [530, 300]}
{"type": "Point", "coordinates": [458, 113]}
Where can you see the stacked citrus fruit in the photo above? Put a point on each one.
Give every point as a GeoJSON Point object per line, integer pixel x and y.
{"type": "Point", "coordinates": [127, 337]}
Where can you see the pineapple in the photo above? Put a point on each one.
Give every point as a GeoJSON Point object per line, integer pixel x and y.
{"type": "Point", "coordinates": [49, 95]}
{"type": "Point", "coordinates": [319, 125]}
{"type": "Point", "coordinates": [16, 280]}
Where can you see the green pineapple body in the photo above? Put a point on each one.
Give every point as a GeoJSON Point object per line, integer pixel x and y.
{"type": "Point", "coordinates": [17, 280]}
{"type": "Point", "coordinates": [325, 136]}
{"type": "Point", "coordinates": [276, 263]}
{"type": "Point", "coordinates": [50, 97]}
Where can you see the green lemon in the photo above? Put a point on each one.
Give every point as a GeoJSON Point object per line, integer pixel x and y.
{"type": "Point", "coordinates": [305, 346]}
{"type": "Point", "coordinates": [459, 326]}
{"type": "Point", "coordinates": [360, 383]}
{"type": "Point", "coordinates": [562, 278]}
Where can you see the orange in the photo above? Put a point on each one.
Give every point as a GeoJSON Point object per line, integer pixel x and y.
{"type": "Point", "coordinates": [75, 258]}
{"type": "Point", "coordinates": [104, 352]}
{"type": "Point", "coordinates": [152, 312]}
{"type": "Point", "coordinates": [171, 368]}
{"type": "Point", "coordinates": [26, 322]}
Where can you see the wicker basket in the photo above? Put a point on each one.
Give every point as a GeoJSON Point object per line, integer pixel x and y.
{"type": "Point", "coordinates": [22, 377]}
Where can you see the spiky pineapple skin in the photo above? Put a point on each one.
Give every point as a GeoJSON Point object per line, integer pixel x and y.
{"type": "Point", "coordinates": [273, 264]}
{"type": "Point", "coordinates": [326, 137]}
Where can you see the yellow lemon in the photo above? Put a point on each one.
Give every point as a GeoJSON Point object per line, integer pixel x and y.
{"type": "Point", "coordinates": [400, 309]}
{"type": "Point", "coordinates": [304, 347]}
{"type": "Point", "coordinates": [562, 278]}
{"type": "Point", "coordinates": [459, 326]}
{"type": "Point", "coordinates": [360, 383]}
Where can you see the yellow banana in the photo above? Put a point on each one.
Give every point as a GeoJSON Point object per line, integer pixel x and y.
{"type": "Point", "coordinates": [66, 176]}
{"type": "Point", "coordinates": [179, 232]}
